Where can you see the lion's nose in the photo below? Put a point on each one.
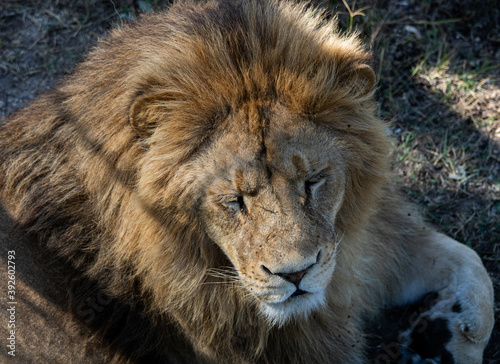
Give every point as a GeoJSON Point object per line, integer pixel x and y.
{"type": "Point", "coordinates": [292, 277]}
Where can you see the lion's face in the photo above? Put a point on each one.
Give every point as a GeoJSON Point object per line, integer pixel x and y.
{"type": "Point", "coordinates": [270, 204]}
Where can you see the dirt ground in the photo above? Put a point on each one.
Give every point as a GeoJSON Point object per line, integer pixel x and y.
{"type": "Point", "coordinates": [438, 66]}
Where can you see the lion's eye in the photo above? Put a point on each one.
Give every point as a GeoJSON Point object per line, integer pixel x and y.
{"type": "Point", "coordinates": [311, 186]}
{"type": "Point", "coordinates": [237, 204]}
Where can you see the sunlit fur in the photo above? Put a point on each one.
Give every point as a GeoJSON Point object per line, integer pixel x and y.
{"type": "Point", "coordinates": [113, 171]}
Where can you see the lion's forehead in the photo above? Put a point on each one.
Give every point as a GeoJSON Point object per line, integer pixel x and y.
{"type": "Point", "coordinates": [279, 143]}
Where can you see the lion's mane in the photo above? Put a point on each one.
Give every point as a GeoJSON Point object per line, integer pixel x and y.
{"type": "Point", "coordinates": [98, 170]}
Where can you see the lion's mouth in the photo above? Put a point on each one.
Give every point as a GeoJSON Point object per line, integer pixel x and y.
{"type": "Point", "coordinates": [299, 304]}
{"type": "Point", "coordinates": [298, 292]}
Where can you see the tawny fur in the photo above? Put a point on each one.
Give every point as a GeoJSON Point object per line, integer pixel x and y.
{"type": "Point", "coordinates": [101, 171]}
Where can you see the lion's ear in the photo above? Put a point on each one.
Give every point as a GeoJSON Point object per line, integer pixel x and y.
{"type": "Point", "coordinates": [365, 78]}
{"type": "Point", "coordinates": [143, 115]}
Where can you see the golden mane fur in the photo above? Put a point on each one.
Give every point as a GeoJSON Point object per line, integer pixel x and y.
{"type": "Point", "coordinates": [100, 171]}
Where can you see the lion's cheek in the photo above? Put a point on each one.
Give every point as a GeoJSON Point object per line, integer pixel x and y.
{"type": "Point", "coordinates": [223, 233]}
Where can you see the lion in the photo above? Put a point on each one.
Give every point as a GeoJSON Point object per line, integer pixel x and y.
{"type": "Point", "coordinates": [212, 185]}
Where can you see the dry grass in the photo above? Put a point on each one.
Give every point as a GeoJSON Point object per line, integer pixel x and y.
{"type": "Point", "coordinates": [438, 65]}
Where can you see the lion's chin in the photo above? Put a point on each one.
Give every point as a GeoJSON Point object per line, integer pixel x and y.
{"type": "Point", "coordinates": [281, 313]}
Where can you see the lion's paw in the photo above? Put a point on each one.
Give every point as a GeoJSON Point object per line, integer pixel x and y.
{"type": "Point", "coordinates": [453, 330]}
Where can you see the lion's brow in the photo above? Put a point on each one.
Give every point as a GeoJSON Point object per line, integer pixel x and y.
{"type": "Point", "coordinates": [266, 209]}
